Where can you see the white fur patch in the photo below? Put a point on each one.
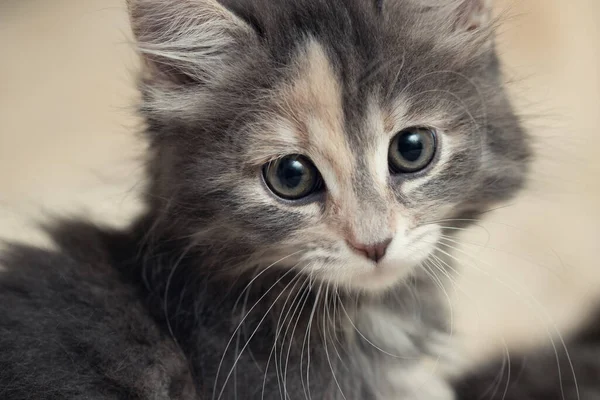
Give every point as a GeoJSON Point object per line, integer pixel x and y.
{"type": "Point", "coordinates": [418, 377]}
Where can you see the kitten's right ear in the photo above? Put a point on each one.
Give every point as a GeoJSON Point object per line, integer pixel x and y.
{"type": "Point", "coordinates": [186, 40]}
{"type": "Point", "coordinates": [473, 14]}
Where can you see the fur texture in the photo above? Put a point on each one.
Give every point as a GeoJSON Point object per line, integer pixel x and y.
{"type": "Point", "coordinates": [224, 291]}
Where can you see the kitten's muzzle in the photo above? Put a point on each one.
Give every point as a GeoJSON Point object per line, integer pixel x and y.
{"type": "Point", "coordinates": [373, 252]}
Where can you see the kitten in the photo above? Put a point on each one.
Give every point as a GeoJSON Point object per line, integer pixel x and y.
{"type": "Point", "coordinates": [309, 161]}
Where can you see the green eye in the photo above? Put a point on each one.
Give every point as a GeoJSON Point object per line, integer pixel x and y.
{"type": "Point", "coordinates": [412, 150]}
{"type": "Point", "coordinates": [292, 177]}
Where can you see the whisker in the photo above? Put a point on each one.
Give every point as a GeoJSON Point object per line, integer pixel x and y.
{"type": "Point", "coordinates": [306, 296]}
{"type": "Point", "coordinates": [441, 285]}
{"type": "Point", "coordinates": [335, 324]}
{"type": "Point", "coordinates": [307, 336]}
{"type": "Point", "coordinates": [443, 239]}
{"type": "Point", "coordinates": [242, 322]}
{"type": "Point", "coordinates": [168, 286]}
{"type": "Point", "coordinates": [505, 359]}
{"type": "Point", "coordinates": [263, 270]}
{"type": "Point", "coordinates": [370, 342]}
{"type": "Point", "coordinates": [506, 353]}
{"type": "Point", "coordinates": [538, 308]}
{"type": "Point", "coordinates": [521, 230]}
{"type": "Point", "coordinates": [278, 330]}
{"type": "Point", "coordinates": [253, 332]}
{"type": "Point", "coordinates": [327, 351]}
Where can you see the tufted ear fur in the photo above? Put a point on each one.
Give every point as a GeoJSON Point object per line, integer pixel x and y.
{"type": "Point", "coordinates": [455, 21]}
{"type": "Point", "coordinates": [464, 27]}
{"type": "Point", "coordinates": [186, 40]}
{"type": "Point", "coordinates": [473, 14]}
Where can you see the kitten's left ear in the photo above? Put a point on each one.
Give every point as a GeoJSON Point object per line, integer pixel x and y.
{"type": "Point", "coordinates": [182, 40]}
{"type": "Point", "coordinates": [473, 14]}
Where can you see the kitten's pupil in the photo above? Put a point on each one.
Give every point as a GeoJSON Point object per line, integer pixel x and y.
{"type": "Point", "coordinates": [292, 177]}
{"type": "Point", "coordinates": [410, 146]}
{"type": "Point", "coordinates": [291, 173]}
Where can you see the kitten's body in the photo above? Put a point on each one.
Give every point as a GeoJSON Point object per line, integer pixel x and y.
{"type": "Point", "coordinates": [226, 290]}
{"type": "Point", "coordinates": [105, 335]}
{"type": "Point", "coordinates": [75, 327]}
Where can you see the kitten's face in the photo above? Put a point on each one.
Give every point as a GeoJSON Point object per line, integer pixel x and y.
{"type": "Point", "coordinates": [337, 138]}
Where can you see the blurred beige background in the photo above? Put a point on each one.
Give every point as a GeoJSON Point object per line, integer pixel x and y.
{"type": "Point", "coordinates": [69, 144]}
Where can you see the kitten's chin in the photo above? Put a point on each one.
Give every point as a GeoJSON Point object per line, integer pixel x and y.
{"type": "Point", "coordinates": [368, 277]}
{"type": "Point", "coordinates": [382, 277]}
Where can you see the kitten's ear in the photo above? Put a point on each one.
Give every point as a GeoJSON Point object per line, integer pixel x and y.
{"type": "Point", "coordinates": [187, 40]}
{"type": "Point", "coordinates": [473, 14]}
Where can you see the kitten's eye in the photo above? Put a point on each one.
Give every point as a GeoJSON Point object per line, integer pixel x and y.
{"type": "Point", "coordinates": [412, 150]}
{"type": "Point", "coordinates": [292, 177]}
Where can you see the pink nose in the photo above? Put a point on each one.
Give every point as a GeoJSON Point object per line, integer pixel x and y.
{"type": "Point", "coordinates": [373, 252]}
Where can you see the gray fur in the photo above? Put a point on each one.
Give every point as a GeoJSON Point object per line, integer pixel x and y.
{"type": "Point", "coordinates": [200, 259]}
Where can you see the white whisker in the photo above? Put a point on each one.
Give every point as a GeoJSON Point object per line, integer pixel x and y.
{"type": "Point", "coordinates": [301, 303]}
{"type": "Point", "coordinates": [307, 340]}
{"type": "Point", "coordinates": [278, 330]}
{"type": "Point", "coordinates": [253, 332]}
{"type": "Point", "coordinates": [370, 342]}
{"type": "Point", "coordinates": [327, 351]}
{"type": "Point", "coordinates": [244, 319]}
{"type": "Point", "coordinates": [538, 308]}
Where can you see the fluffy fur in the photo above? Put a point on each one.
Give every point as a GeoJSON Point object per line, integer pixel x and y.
{"type": "Point", "coordinates": [223, 291]}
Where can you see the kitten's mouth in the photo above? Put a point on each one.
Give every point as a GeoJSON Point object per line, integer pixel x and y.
{"type": "Point", "coordinates": [369, 276]}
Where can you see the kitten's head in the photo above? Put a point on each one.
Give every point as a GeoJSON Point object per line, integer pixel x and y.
{"type": "Point", "coordinates": [335, 137]}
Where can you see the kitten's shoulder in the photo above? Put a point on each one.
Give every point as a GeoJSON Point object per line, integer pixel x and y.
{"type": "Point", "coordinates": [71, 327]}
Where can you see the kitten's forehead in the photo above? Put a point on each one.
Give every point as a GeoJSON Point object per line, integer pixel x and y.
{"type": "Point", "coordinates": [343, 138]}
{"type": "Point", "coordinates": [313, 105]}
{"type": "Point", "coordinates": [348, 30]}
{"type": "Point", "coordinates": [309, 117]}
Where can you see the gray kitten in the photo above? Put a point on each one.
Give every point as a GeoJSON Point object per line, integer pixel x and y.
{"type": "Point", "coordinates": [308, 162]}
